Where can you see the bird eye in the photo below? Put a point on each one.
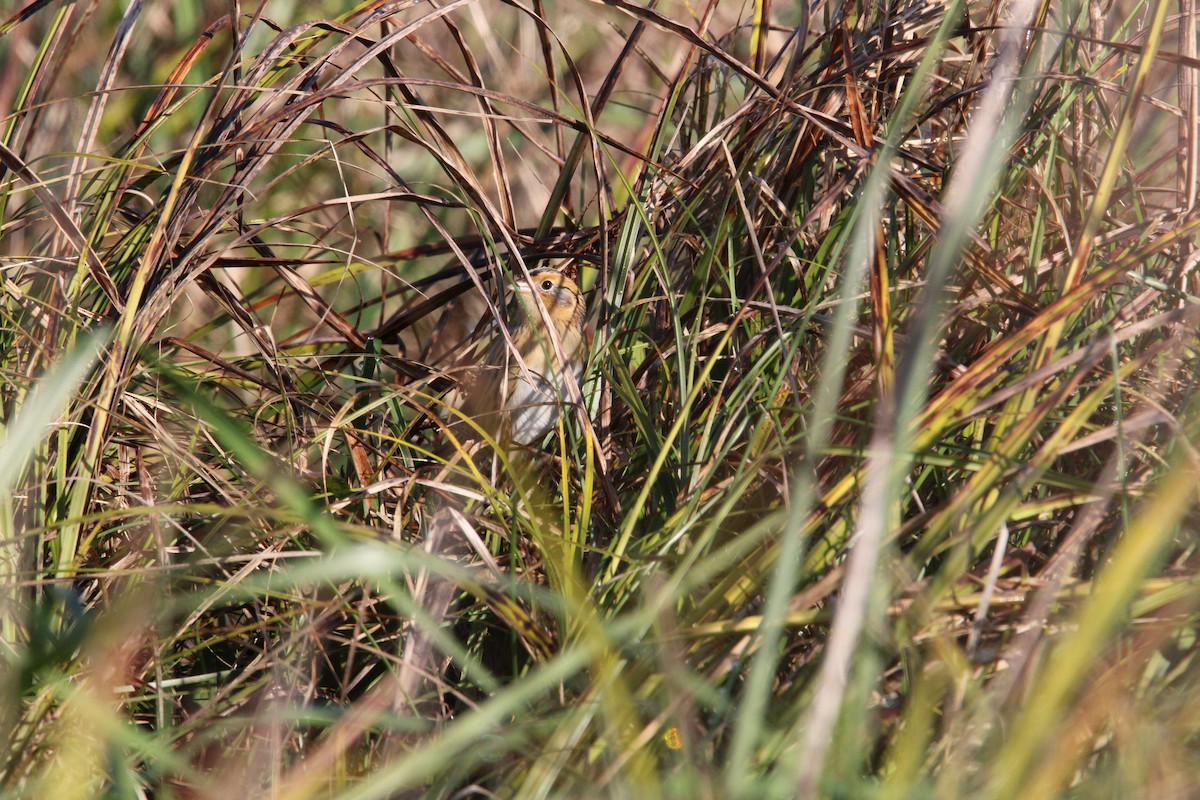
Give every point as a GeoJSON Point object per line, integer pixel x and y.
{"type": "Point", "coordinates": [547, 285]}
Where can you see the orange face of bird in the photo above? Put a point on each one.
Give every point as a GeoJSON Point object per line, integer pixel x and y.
{"type": "Point", "coordinates": [557, 293]}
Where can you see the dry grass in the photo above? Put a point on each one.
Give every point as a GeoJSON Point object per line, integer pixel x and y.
{"type": "Point", "coordinates": [883, 482]}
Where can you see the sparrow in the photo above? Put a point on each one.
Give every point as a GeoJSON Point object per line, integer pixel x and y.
{"type": "Point", "coordinates": [515, 394]}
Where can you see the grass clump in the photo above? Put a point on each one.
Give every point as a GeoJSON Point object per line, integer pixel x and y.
{"type": "Point", "coordinates": [881, 482]}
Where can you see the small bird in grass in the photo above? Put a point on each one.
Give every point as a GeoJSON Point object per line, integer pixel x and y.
{"type": "Point", "coordinates": [516, 393]}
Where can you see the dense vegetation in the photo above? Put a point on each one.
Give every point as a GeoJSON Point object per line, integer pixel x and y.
{"type": "Point", "coordinates": [883, 479]}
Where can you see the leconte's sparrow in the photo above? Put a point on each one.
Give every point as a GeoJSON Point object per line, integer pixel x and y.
{"type": "Point", "coordinates": [516, 393]}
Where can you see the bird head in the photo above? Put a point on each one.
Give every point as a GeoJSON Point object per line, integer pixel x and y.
{"type": "Point", "coordinates": [557, 293]}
